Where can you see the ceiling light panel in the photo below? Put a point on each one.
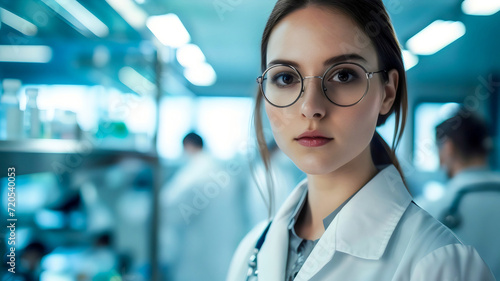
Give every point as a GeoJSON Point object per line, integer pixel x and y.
{"type": "Point", "coordinates": [25, 53]}
{"type": "Point", "coordinates": [79, 17]}
{"type": "Point", "coordinates": [481, 7]}
{"type": "Point", "coordinates": [169, 30]}
{"type": "Point", "coordinates": [435, 37]}
{"type": "Point", "coordinates": [18, 23]}
{"type": "Point", "coordinates": [130, 12]}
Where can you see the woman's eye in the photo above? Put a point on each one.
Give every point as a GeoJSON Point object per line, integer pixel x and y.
{"type": "Point", "coordinates": [344, 76]}
{"type": "Point", "coordinates": [284, 79]}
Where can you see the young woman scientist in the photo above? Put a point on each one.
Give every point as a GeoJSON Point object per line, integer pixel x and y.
{"type": "Point", "coordinates": [332, 72]}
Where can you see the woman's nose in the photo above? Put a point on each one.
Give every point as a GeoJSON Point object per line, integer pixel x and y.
{"type": "Point", "coordinates": [313, 99]}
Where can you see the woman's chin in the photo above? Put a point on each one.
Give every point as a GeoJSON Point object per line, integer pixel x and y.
{"type": "Point", "coordinates": [316, 167]}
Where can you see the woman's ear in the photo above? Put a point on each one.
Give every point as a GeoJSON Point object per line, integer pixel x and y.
{"type": "Point", "coordinates": [390, 89]}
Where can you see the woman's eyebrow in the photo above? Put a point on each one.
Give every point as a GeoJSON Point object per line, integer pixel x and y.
{"type": "Point", "coordinates": [344, 57]}
{"type": "Point", "coordinates": [330, 61]}
{"type": "Point", "coordinates": [282, 61]}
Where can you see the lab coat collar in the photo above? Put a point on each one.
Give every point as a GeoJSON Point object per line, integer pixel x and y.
{"type": "Point", "coordinates": [273, 255]}
{"type": "Point", "coordinates": [362, 228]}
{"type": "Point", "coordinates": [366, 223]}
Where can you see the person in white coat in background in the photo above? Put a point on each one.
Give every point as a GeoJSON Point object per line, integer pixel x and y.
{"type": "Point", "coordinates": [194, 207]}
{"type": "Point", "coordinates": [332, 72]}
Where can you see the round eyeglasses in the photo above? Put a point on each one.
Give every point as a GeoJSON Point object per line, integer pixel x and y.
{"type": "Point", "coordinates": [344, 84]}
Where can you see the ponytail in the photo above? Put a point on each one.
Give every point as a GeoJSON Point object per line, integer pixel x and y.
{"type": "Point", "coordinates": [382, 154]}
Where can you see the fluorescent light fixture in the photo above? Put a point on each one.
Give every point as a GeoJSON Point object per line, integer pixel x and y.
{"type": "Point", "coordinates": [201, 74]}
{"type": "Point", "coordinates": [130, 12]}
{"type": "Point", "coordinates": [189, 55]}
{"type": "Point", "coordinates": [135, 81]}
{"type": "Point", "coordinates": [481, 7]}
{"type": "Point", "coordinates": [435, 36]}
{"type": "Point", "coordinates": [85, 17]}
{"type": "Point", "coordinates": [25, 53]}
{"type": "Point", "coordinates": [67, 16]}
{"type": "Point", "coordinates": [18, 23]}
{"type": "Point", "coordinates": [169, 30]}
{"type": "Point", "coordinates": [79, 17]}
{"type": "Point", "coordinates": [409, 59]}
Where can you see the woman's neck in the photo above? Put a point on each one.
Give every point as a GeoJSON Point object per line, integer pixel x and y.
{"type": "Point", "coordinates": [327, 192]}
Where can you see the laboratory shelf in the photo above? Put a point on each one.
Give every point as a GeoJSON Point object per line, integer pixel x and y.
{"type": "Point", "coordinates": [61, 156]}
{"type": "Point", "coordinates": [40, 146]}
{"type": "Point", "coordinates": [65, 158]}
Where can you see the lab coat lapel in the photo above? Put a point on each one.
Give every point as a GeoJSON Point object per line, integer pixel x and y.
{"type": "Point", "coordinates": [368, 221]}
{"type": "Point", "coordinates": [272, 258]}
{"type": "Point", "coordinates": [365, 224]}
{"type": "Point", "coordinates": [321, 254]}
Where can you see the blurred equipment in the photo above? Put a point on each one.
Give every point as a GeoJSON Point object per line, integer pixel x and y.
{"type": "Point", "coordinates": [32, 115]}
{"type": "Point", "coordinates": [452, 218]}
{"type": "Point", "coordinates": [11, 121]}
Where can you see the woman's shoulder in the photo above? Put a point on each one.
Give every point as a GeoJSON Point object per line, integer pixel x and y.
{"type": "Point", "coordinates": [427, 228]}
{"type": "Point", "coordinates": [239, 262]}
{"type": "Point", "coordinates": [452, 262]}
{"type": "Point", "coordinates": [437, 251]}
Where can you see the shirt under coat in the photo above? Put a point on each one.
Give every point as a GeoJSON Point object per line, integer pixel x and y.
{"type": "Point", "coordinates": [380, 234]}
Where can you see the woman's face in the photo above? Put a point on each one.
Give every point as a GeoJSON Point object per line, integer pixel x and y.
{"type": "Point", "coordinates": [309, 38]}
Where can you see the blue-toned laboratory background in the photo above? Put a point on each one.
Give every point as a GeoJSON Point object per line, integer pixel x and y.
{"type": "Point", "coordinates": [97, 96]}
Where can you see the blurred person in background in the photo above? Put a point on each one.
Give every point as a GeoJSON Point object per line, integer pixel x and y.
{"type": "Point", "coordinates": [471, 202]}
{"type": "Point", "coordinates": [201, 217]}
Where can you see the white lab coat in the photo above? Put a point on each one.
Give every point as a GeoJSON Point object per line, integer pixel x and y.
{"type": "Point", "coordinates": [379, 235]}
{"type": "Point", "coordinates": [195, 206]}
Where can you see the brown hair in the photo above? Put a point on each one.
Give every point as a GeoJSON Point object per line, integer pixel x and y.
{"type": "Point", "coordinates": [371, 16]}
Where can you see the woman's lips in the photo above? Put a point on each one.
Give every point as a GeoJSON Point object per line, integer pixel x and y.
{"type": "Point", "coordinates": [313, 139]}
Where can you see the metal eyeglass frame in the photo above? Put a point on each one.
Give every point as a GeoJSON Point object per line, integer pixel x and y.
{"type": "Point", "coordinates": [369, 75]}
